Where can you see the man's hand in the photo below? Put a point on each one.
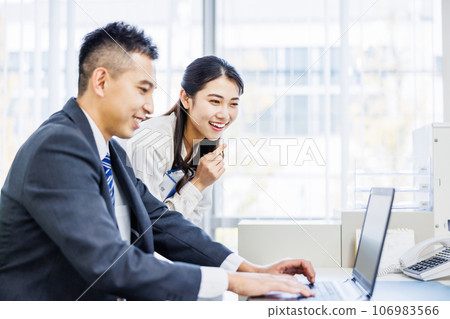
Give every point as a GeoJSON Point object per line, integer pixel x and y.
{"type": "Point", "coordinates": [287, 266]}
{"type": "Point", "coordinates": [292, 267]}
{"type": "Point", "coordinates": [248, 284]}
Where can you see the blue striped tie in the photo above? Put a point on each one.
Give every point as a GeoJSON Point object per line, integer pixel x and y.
{"type": "Point", "coordinates": [106, 162]}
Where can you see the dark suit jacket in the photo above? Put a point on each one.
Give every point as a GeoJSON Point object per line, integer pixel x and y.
{"type": "Point", "coordinates": [59, 237]}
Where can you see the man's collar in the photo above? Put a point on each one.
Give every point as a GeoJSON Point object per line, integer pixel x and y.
{"type": "Point", "coordinates": [102, 145]}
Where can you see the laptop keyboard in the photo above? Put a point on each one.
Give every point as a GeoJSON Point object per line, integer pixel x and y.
{"type": "Point", "coordinates": [324, 290]}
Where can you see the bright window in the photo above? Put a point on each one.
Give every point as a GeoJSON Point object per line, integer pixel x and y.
{"type": "Point", "coordinates": [351, 78]}
{"type": "Point", "coordinates": [39, 43]}
{"type": "Point", "coordinates": [330, 86]}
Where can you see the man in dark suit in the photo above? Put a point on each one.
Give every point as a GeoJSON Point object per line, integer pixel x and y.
{"type": "Point", "coordinates": [75, 223]}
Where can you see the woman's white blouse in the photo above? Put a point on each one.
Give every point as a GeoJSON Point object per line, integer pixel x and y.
{"type": "Point", "coordinates": [151, 151]}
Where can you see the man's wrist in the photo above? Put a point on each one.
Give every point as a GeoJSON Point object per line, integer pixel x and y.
{"type": "Point", "coordinates": [233, 282]}
{"type": "Point", "coordinates": [248, 267]}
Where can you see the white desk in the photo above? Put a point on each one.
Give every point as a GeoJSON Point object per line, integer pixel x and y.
{"type": "Point", "coordinates": [341, 274]}
{"type": "Point", "coordinates": [330, 274]}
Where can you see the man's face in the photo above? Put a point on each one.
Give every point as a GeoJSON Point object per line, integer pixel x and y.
{"type": "Point", "coordinates": [128, 97]}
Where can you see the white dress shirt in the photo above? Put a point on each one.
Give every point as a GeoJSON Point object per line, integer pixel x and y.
{"type": "Point", "coordinates": [214, 280]}
{"type": "Point", "coordinates": [122, 210]}
{"type": "Point", "coordinates": [151, 150]}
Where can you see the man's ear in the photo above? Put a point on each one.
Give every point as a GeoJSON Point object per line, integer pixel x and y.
{"type": "Point", "coordinates": [185, 99]}
{"type": "Point", "coordinates": [99, 80]}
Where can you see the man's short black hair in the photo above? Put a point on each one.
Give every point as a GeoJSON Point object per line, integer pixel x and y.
{"type": "Point", "coordinates": [110, 47]}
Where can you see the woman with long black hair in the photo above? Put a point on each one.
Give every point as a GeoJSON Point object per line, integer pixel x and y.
{"type": "Point", "coordinates": [179, 155]}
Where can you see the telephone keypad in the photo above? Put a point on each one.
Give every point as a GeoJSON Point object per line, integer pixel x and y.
{"type": "Point", "coordinates": [424, 265]}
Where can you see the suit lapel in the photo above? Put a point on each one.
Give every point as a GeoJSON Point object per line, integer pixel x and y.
{"type": "Point", "coordinates": [76, 114]}
{"type": "Point", "coordinates": [73, 110]}
{"type": "Point", "coordinates": [140, 221]}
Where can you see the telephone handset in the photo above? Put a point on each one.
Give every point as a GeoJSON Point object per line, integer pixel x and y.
{"type": "Point", "coordinates": [429, 266]}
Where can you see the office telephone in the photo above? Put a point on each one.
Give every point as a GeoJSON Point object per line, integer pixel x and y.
{"type": "Point", "coordinates": [435, 264]}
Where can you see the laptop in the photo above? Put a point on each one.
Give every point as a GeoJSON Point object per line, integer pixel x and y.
{"type": "Point", "coordinates": [361, 285]}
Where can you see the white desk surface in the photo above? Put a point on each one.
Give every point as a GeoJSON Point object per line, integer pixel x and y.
{"type": "Point", "coordinates": [338, 274]}
{"type": "Point", "coordinates": [329, 274]}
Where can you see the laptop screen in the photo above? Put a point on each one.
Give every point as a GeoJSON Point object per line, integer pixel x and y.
{"type": "Point", "coordinates": [372, 237]}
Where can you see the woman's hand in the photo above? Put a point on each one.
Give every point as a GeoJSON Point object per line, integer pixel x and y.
{"type": "Point", "coordinates": [209, 169]}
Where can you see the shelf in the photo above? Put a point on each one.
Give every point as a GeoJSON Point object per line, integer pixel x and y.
{"type": "Point", "coordinates": [413, 184]}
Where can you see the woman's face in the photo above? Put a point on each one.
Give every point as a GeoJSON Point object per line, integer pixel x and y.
{"type": "Point", "coordinates": [211, 110]}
